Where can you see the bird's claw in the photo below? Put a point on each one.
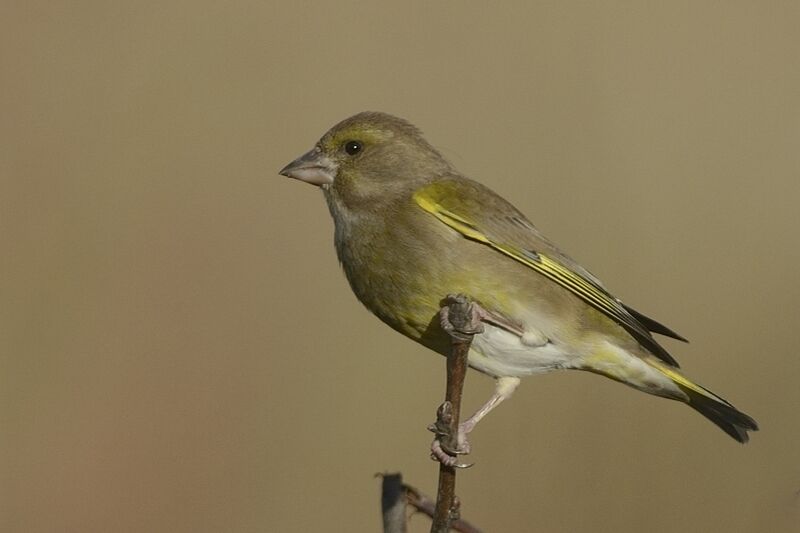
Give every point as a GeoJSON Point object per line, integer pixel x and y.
{"type": "Point", "coordinates": [452, 322]}
{"type": "Point", "coordinates": [439, 454]}
{"type": "Point", "coordinates": [441, 448]}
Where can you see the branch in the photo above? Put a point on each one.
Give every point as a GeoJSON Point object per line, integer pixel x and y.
{"type": "Point", "coordinates": [396, 495]}
{"type": "Point", "coordinates": [426, 506]}
{"type": "Point", "coordinates": [458, 319]}
{"type": "Point", "coordinates": [393, 503]}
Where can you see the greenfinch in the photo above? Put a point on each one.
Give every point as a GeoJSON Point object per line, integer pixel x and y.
{"type": "Point", "coordinates": [410, 230]}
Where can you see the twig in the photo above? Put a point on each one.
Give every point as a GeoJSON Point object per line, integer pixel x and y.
{"type": "Point", "coordinates": [426, 506]}
{"type": "Point", "coordinates": [393, 503]}
{"type": "Point", "coordinates": [458, 312]}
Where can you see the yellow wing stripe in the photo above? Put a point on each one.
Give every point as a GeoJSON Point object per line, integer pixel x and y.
{"type": "Point", "coordinates": [595, 296]}
{"type": "Point", "coordinates": [546, 266]}
{"type": "Point", "coordinates": [564, 277]}
{"type": "Point", "coordinates": [451, 219]}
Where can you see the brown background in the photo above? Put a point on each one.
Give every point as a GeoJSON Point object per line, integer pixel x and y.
{"type": "Point", "coordinates": [180, 352]}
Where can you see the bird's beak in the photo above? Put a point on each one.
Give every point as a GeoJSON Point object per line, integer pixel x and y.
{"type": "Point", "coordinates": [313, 167]}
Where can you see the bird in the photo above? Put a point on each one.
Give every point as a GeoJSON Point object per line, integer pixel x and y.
{"type": "Point", "coordinates": [410, 229]}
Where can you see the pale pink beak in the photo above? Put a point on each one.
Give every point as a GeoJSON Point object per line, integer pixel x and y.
{"type": "Point", "coordinates": [313, 167]}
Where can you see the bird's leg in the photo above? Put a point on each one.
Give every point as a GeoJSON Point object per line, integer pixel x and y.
{"type": "Point", "coordinates": [477, 315]}
{"type": "Point", "coordinates": [500, 321]}
{"type": "Point", "coordinates": [468, 322]}
{"type": "Point", "coordinates": [461, 319]}
{"type": "Point", "coordinates": [504, 388]}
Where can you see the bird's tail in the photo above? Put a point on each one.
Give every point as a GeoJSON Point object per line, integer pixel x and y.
{"type": "Point", "coordinates": [732, 421]}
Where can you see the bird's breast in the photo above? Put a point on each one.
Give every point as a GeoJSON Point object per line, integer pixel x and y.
{"type": "Point", "coordinates": [399, 272]}
{"type": "Point", "coordinates": [401, 266]}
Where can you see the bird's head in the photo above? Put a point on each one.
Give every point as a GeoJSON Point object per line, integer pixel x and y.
{"type": "Point", "coordinates": [367, 156]}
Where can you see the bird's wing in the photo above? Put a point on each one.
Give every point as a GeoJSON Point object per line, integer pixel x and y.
{"type": "Point", "coordinates": [480, 215]}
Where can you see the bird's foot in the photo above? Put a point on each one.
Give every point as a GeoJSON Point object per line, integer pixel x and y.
{"type": "Point", "coordinates": [475, 317]}
{"type": "Point", "coordinates": [460, 317]}
{"type": "Point", "coordinates": [444, 448]}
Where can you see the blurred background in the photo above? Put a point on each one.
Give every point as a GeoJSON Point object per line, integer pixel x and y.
{"type": "Point", "coordinates": [181, 353]}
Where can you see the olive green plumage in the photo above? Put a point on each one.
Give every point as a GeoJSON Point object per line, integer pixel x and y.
{"type": "Point", "coordinates": [409, 230]}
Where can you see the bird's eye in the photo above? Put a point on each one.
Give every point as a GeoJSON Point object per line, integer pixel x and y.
{"type": "Point", "coordinates": [353, 147]}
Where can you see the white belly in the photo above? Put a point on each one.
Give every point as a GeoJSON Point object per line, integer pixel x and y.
{"type": "Point", "coordinates": [498, 352]}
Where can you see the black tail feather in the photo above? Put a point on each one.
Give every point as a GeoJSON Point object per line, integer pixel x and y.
{"type": "Point", "coordinates": [653, 325]}
{"type": "Point", "coordinates": [732, 421]}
